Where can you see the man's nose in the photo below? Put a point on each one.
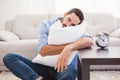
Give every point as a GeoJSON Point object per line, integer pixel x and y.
{"type": "Point", "coordinates": [68, 24]}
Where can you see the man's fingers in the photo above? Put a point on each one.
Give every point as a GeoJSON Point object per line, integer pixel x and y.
{"type": "Point", "coordinates": [65, 63]}
{"type": "Point", "coordinates": [62, 68]}
{"type": "Point", "coordinates": [58, 65]}
{"type": "Point", "coordinates": [61, 64]}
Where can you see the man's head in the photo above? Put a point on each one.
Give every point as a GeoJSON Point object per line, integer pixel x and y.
{"type": "Point", "coordinates": [73, 17]}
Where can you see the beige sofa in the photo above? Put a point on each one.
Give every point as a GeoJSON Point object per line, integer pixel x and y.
{"type": "Point", "coordinates": [23, 39]}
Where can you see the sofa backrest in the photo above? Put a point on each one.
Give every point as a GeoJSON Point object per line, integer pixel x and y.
{"type": "Point", "coordinates": [100, 22]}
{"type": "Point", "coordinates": [27, 26]}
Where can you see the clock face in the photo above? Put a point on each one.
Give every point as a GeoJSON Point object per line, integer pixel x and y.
{"type": "Point", "coordinates": [103, 40]}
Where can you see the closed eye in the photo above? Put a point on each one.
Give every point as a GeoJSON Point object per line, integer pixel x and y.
{"type": "Point", "coordinates": [72, 24]}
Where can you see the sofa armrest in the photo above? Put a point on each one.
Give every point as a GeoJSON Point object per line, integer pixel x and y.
{"type": "Point", "coordinates": [118, 21]}
{"type": "Point", "coordinates": [116, 33]}
{"type": "Point", "coordinates": [8, 36]}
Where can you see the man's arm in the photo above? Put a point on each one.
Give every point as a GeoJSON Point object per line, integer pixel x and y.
{"type": "Point", "coordinates": [84, 42]}
{"type": "Point", "coordinates": [51, 49]}
{"type": "Point", "coordinates": [56, 49]}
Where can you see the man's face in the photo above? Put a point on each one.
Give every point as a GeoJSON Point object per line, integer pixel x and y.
{"type": "Point", "coordinates": [70, 20]}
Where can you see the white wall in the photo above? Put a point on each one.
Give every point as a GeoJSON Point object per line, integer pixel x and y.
{"type": "Point", "coordinates": [118, 5]}
{"type": "Point", "coordinates": [110, 6]}
{"type": "Point", "coordinates": [10, 8]}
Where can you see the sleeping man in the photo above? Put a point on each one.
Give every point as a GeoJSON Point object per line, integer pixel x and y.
{"type": "Point", "coordinates": [71, 36]}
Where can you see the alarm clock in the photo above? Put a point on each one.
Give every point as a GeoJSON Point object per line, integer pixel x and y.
{"type": "Point", "coordinates": [102, 40]}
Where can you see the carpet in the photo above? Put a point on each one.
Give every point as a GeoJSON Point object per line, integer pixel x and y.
{"type": "Point", "coordinates": [94, 75]}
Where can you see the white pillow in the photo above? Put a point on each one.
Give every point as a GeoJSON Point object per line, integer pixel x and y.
{"type": "Point", "coordinates": [51, 60]}
{"type": "Point", "coordinates": [57, 36]}
{"type": "Point", "coordinates": [116, 33]}
{"type": "Point", "coordinates": [8, 36]}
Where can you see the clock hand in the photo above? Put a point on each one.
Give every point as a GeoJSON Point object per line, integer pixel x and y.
{"type": "Point", "coordinates": [103, 40]}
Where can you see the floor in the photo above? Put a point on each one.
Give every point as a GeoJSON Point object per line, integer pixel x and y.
{"type": "Point", "coordinates": [94, 75]}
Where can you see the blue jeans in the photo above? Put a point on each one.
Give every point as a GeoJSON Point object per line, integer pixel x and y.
{"type": "Point", "coordinates": [27, 70]}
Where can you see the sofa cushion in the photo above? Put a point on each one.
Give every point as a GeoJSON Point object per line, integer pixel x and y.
{"type": "Point", "coordinates": [8, 36]}
{"type": "Point", "coordinates": [19, 45]}
{"type": "Point", "coordinates": [27, 26]}
{"type": "Point", "coordinates": [26, 48]}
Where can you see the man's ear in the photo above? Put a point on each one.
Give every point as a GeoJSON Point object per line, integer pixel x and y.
{"type": "Point", "coordinates": [65, 14]}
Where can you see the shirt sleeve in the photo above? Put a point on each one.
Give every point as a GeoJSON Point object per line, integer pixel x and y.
{"type": "Point", "coordinates": [43, 36]}
{"type": "Point", "coordinates": [87, 35]}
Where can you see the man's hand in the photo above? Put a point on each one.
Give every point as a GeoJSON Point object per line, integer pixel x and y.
{"type": "Point", "coordinates": [63, 59]}
{"type": "Point", "coordinates": [65, 54]}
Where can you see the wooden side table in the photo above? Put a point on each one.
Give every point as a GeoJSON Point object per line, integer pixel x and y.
{"type": "Point", "coordinates": [96, 56]}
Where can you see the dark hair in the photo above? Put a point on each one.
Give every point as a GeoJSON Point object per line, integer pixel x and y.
{"type": "Point", "coordinates": [78, 12]}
